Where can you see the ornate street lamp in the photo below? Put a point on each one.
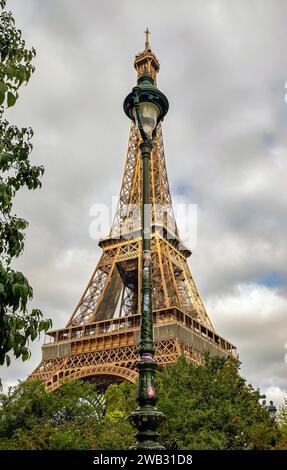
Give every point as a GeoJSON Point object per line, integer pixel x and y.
{"type": "Point", "coordinates": [271, 408]}
{"type": "Point", "coordinates": [146, 106]}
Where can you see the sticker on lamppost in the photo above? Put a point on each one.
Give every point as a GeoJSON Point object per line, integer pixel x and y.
{"type": "Point", "coordinates": [147, 255]}
{"type": "Point", "coordinates": [146, 357]}
{"type": "Point", "coordinates": [151, 392]}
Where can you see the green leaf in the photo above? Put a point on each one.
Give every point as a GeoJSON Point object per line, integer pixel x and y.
{"type": "Point", "coordinates": [33, 334]}
{"type": "Point", "coordinates": [11, 100]}
{"type": "Point", "coordinates": [17, 350]}
{"type": "Point", "coordinates": [25, 354]}
{"type": "Point", "coordinates": [3, 90]}
{"type": "Point", "coordinates": [8, 360]}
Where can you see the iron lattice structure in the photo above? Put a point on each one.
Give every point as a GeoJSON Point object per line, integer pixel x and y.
{"type": "Point", "coordinates": [100, 340]}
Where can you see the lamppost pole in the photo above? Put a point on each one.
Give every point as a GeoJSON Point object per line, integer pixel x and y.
{"type": "Point", "coordinates": [146, 105]}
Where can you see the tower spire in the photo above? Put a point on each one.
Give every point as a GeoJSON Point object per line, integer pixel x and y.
{"type": "Point", "coordinates": [146, 61]}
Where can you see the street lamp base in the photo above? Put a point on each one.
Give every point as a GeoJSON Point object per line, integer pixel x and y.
{"type": "Point", "coordinates": [146, 420]}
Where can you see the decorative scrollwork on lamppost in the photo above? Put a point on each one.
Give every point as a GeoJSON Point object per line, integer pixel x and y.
{"type": "Point", "coordinates": [146, 106]}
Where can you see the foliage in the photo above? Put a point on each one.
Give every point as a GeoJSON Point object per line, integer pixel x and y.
{"type": "Point", "coordinates": [32, 418]}
{"type": "Point", "coordinates": [207, 407]}
{"type": "Point", "coordinates": [114, 430]}
{"type": "Point", "coordinates": [212, 407]}
{"type": "Point", "coordinates": [282, 421]}
{"type": "Point", "coordinates": [17, 326]}
{"type": "Point", "coordinates": [16, 60]}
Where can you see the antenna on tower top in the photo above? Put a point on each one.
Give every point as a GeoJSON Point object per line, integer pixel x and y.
{"type": "Point", "coordinates": [147, 33]}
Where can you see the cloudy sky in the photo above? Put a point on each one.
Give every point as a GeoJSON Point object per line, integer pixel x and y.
{"type": "Point", "coordinates": [223, 68]}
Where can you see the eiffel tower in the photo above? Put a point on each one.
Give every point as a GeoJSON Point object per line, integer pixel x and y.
{"type": "Point", "coordinates": [100, 341]}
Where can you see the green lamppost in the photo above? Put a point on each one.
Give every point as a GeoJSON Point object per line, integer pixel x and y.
{"type": "Point", "coordinates": [146, 106]}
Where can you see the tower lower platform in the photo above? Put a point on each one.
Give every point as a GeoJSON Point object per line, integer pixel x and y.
{"type": "Point", "coordinates": [107, 351]}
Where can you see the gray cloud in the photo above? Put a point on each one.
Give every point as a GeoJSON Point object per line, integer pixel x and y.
{"type": "Point", "coordinates": [254, 318]}
{"type": "Point", "coordinates": [223, 69]}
